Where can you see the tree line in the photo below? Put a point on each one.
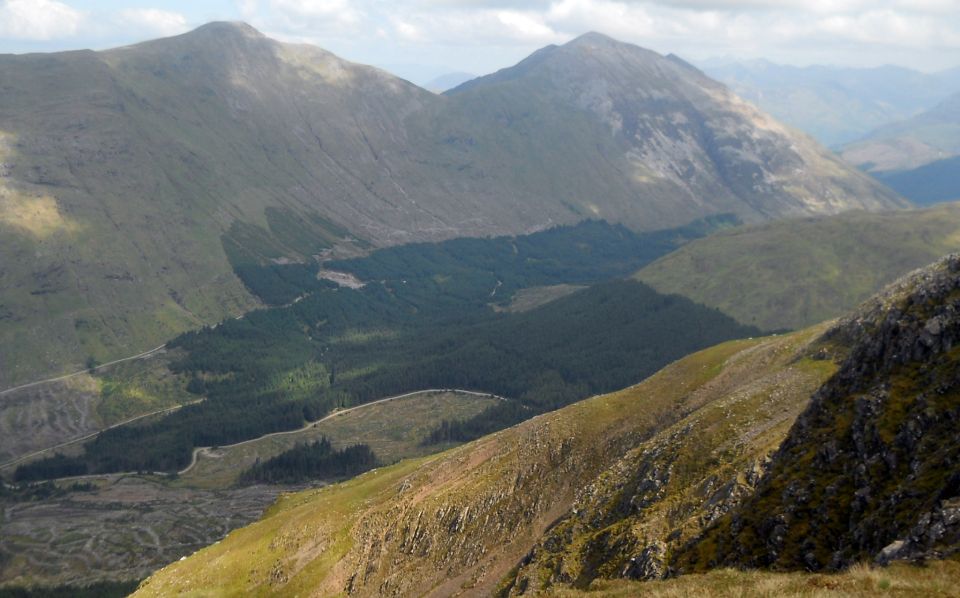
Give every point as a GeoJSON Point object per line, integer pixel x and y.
{"type": "Point", "coordinates": [317, 460]}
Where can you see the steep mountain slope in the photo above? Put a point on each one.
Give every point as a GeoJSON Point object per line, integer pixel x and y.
{"type": "Point", "coordinates": [793, 274]}
{"type": "Point", "coordinates": [653, 499]}
{"type": "Point", "coordinates": [458, 522]}
{"type": "Point", "coordinates": [835, 105]}
{"type": "Point", "coordinates": [869, 470]}
{"type": "Point", "coordinates": [927, 137]}
{"type": "Point", "coordinates": [123, 168]}
{"type": "Point", "coordinates": [133, 179]}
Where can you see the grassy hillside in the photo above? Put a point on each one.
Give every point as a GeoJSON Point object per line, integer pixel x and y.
{"type": "Point", "coordinates": [460, 521]}
{"type": "Point", "coordinates": [662, 493]}
{"type": "Point", "coordinates": [134, 180]}
{"type": "Point", "coordinates": [792, 274]}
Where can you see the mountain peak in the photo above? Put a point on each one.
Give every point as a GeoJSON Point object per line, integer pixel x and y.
{"type": "Point", "coordinates": [594, 39]}
{"type": "Point", "coordinates": [227, 28]}
{"type": "Point", "coordinates": [600, 45]}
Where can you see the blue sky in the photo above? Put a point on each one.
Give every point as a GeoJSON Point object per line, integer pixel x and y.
{"type": "Point", "coordinates": [419, 39]}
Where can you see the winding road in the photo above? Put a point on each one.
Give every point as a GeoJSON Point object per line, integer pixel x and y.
{"type": "Point", "coordinates": [338, 413]}
{"type": "Point", "coordinates": [198, 450]}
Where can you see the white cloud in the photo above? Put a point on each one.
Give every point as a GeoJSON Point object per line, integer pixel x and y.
{"type": "Point", "coordinates": [525, 25]}
{"type": "Point", "coordinates": [478, 34]}
{"type": "Point", "coordinates": [304, 17]}
{"type": "Point", "coordinates": [39, 20]}
{"type": "Point", "coordinates": [336, 10]}
{"type": "Point", "coordinates": [464, 27]}
{"type": "Point", "coordinates": [404, 29]}
{"type": "Point", "coordinates": [154, 21]}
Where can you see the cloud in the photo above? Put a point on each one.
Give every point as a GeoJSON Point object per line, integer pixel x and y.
{"type": "Point", "coordinates": [38, 20]}
{"type": "Point", "coordinates": [923, 33]}
{"type": "Point", "coordinates": [303, 19]}
{"type": "Point", "coordinates": [154, 21]}
{"type": "Point", "coordinates": [476, 28]}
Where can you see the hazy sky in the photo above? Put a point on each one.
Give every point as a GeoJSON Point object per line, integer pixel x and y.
{"type": "Point", "coordinates": [422, 38]}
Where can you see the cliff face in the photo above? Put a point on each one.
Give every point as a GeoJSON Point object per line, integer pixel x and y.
{"type": "Point", "coordinates": [871, 469]}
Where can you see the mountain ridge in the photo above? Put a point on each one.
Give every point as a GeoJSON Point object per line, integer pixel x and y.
{"type": "Point", "coordinates": [455, 524]}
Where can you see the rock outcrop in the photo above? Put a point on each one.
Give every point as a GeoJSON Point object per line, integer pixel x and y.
{"type": "Point", "coordinates": [871, 469]}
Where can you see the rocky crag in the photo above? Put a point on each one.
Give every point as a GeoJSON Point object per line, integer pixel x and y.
{"type": "Point", "coordinates": [871, 469]}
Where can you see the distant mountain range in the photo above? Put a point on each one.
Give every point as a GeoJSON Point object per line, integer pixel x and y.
{"type": "Point", "coordinates": [133, 181]}
{"type": "Point", "coordinates": [835, 105]}
{"type": "Point", "coordinates": [923, 139]}
{"type": "Point", "coordinates": [919, 156]}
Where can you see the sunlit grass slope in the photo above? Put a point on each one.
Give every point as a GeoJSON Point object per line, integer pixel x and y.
{"type": "Point", "coordinates": [793, 274]}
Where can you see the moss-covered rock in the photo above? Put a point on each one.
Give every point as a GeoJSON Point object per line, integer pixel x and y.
{"type": "Point", "coordinates": [871, 470]}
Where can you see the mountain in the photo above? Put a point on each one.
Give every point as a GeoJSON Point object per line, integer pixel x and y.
{"type": "Point", "coordinates": [869, 470]}
{"type": "Point", "coordinates": [835, 105]}
{"type": "Point", "coordinates": [679, 473]}
{"type": "Point", "coordinates": [658, 123]}
{"type": "Point", "coordinates": [796, 273]}
{"type": "Point", "coordinates": [136, 180]}
{"type": "Point", "coordinates": [925, 138]}
{"type": "Point", "coordinates": [449, 81]}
